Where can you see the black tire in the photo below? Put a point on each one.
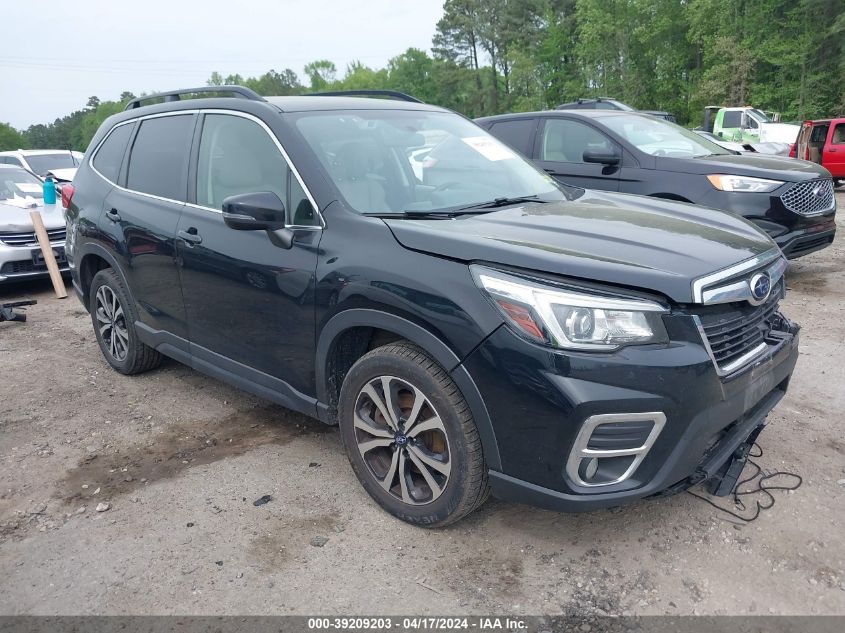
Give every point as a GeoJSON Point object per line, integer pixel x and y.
{"type": "Point", "coordinates": [131, 356]}
{"type": "Point", "coordinates": [451, 437]}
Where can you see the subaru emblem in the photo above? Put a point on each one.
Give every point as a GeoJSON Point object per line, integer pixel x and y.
{"type": "Point", "coordinates": [760, 285]}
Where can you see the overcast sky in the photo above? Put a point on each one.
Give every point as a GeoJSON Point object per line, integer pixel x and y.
{"type": "Point", "coordinates": [57, 54]}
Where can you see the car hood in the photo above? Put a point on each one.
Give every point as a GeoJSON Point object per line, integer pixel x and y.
{"type": "Point", "coordinates": [14, 215]}
{"type": "Point", "coordinates": [748, 164]}
{"type": "Point", "coordinates": [64, 174]}
{"type": "Point", "coordinates": [634, 241]}
{"type": "Point", "coordinates": [780, 132]}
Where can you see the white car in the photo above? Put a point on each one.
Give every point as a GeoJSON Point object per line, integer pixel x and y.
{"type": "Point", "coordinates": [59, 163]}
{"type": "Point", "coordinates": [20, 254]}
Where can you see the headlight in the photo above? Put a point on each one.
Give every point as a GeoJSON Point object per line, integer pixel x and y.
{"type": "Point", "coordinates": [724, 182]}
{"type": "Point", "coordinates": [570, 319]}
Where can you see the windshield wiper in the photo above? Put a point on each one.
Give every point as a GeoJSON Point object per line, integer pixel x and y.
{"type": "Point", "coordinates": [495, 203]}
{"type": "Point", "coordinates": [445, 214]}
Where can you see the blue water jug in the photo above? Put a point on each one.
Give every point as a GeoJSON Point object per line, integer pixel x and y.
{"type": "Point", "coordinates": [49, 191]}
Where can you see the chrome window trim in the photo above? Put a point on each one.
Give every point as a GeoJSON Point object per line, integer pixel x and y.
{"type": "Point", "coordinates": [279, 146]}
{"type": "Point", "coordinates": [737, 363]}
{"type": "Point", "coordinates": [198, 206]}
{"type": "Point", "coordinates": [580, 451]}
{"type": "Point", "coordinates": [757, 261]}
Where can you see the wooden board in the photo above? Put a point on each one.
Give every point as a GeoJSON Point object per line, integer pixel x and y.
{"type": "Point", "coordinates": [47, 251]}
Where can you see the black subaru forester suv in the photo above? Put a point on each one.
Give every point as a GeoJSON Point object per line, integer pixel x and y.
{"type": "Point", "coordinates": [469, 324]}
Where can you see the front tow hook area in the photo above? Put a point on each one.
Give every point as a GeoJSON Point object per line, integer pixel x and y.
{"type": "Point", "coordinates": [723, 482]}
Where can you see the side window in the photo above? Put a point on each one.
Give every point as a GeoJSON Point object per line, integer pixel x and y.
{"type": "Point", "coordinates": [158, 161]}
{"type": "Point", "coordinates": [819, 134]}
{"type": "Point", "coordinates": [838, 137]}
{"type": "Point", "coordinates": [752, 123]}
{"type": "Point", "coordinates": [237, 156]}
{"type": "Point", "coordinates": [109, 157]}
{"type": "Point", "coordinates": [300, 210]}
{"type": "Point", "coordinates": [732, 119]}
{"type": "Point", "coordinates": [11, 160]}
{"type": "Point", "coordinates": [566, 141]}
{"type": "Point", "coordinates": [516, 133]}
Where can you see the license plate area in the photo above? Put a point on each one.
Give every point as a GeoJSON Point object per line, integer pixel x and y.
{"type": "Point", "coordinates": [38, 256]}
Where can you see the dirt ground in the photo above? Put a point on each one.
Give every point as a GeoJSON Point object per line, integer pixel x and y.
{"type": "Point", "coordinates": [180, 458]}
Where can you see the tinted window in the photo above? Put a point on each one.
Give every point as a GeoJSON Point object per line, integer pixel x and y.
{"type": "Point", "coordinates": [110, 155]}
{"type": "Point", "coordinates": [237, 156]}
{"type": "Point", "coordinates": [159, 157]}
{"type": "Point", "coordinates": [566, 141]}
{"type": "Point", "coordinates": [11, 160]}
{"type": "Point", "coordinates": [819, 133]}
{"type": "Point", "coordinates": [732, 119]}
{"type": "Point", "coordinates": [838, 134]}
{"type": "Point", "coordinates": [517, 134]}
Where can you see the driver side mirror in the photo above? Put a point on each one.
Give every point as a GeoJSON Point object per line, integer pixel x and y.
{"type": "Point", "coordinates": [601, 156]}
{"type": "Point", "coordinates": [743, 121]}
{"type": "Point", "coordinates": [258, 211]}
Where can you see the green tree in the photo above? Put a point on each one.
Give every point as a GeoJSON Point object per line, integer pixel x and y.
{"type": "Point", "coordinates": [321, 74]}
{"type": "Point", "coordinates": [10, 138]}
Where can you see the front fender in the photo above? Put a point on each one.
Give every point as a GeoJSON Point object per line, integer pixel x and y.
{"type": "Point", "coordinates": [431, 344]}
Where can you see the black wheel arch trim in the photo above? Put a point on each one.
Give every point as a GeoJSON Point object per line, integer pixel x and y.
{"type": "Point", "coordinates": [431, 344]}
{"type": "Point", "coordinates": [95, 249]}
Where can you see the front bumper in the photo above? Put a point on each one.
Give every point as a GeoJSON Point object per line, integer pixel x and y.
{"type": "Point", "coordinates": [538, 399]}
{"type": "Point", "coordinates": [16, 263]}
{"type": "Point", "coordinates": [795, 234]}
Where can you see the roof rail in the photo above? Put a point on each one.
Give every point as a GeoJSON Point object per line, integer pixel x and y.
{"type": "Point", "coordinates": [393, 94]}
{"type": "Point", "coordinates": [176, 95]}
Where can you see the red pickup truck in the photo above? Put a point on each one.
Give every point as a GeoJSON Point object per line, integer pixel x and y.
{"type": "Point", "coordinates": [823, 142]}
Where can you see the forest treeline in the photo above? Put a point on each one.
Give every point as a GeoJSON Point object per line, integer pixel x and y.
{"type": "Point", "coordinates": [492, 56]}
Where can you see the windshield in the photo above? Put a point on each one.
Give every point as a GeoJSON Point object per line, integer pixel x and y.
{"type": "Point", "coordinates": [759, 115]}
{"type": "Point", "coordinates": [393, 161]}
{"type": "Point", "coordinates": [661, 138]}
{"type": "Point", "coordinates": [42, 163]}
{"type": "Point", "coordinates": [19, 183]}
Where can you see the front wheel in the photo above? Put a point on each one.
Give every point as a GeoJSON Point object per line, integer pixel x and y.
{"type": "Point", "coordinates": [410, 437]}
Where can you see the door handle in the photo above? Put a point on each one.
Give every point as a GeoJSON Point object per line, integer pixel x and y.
{"type": "Point", "coordinates": [113, 215]}
{"type": "Point", "coordinates": [190, 237]}
{"type": "Point", "coordinates": [831, 149]}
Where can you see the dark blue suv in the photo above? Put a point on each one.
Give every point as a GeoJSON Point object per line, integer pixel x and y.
{"type": "Point", "coordinates": [470, 325]}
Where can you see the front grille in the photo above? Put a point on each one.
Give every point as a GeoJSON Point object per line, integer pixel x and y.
{"type": "Point", "coordinates": [807, 198]}
{"type": "Point", "coordinates": [735, 329]}
{"type": "Point", "coordinates": [29, 239]}
{"type": "Point", "coordinates": [805, 246]}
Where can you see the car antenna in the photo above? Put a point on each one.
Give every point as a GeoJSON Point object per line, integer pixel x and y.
{"type": "Point", "coordinates": [72, 157]}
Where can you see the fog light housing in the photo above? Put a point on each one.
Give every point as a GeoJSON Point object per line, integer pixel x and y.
{"type": "Point", "coordinates": [609, 447]}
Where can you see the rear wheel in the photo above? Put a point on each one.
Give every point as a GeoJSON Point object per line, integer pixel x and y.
{"type": "Point", "coordinates": [113, 314]}
{"type": "Point", "coordinates": [411, 438]}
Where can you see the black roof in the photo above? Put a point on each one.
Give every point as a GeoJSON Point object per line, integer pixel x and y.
{"type": "Point", "coordinates": [587, 114]}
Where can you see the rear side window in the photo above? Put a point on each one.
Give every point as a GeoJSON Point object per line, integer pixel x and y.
{"type": "Point", "coordinates": [158, 161]}
{"type": "Point", "coordinates": [732, 119]}
{"type": "Point", "coordinates": [517, 133]}
{"type": "Point", "coordinates": [819, 133]}
{"type": "Point", "coordinates": [108, 158]}
{"type": "Point", "coordinates": [838, 137]}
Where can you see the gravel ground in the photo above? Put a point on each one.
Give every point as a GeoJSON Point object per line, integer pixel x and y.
{"type": "Point", "coordinates": [179, 458]}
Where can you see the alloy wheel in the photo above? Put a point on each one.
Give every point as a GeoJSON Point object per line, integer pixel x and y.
{"type": "Point", "coordinates": [402, 440]}
{"type": "Point", "coordinates": [111, 322]}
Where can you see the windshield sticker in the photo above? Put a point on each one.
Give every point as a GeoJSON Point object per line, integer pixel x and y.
{"type": "Point", "coordinates": [28, 187]}
{"type": "Point", "coordinates": [490, 148]}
